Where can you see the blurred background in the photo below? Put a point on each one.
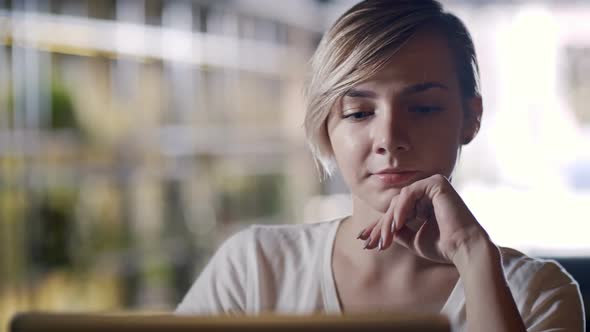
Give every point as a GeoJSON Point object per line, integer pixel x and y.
{"type": "Point", "coordinates": [136, 135]}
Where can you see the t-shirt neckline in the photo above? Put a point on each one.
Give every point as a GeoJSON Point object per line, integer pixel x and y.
{"type": "Point", "coordinates": [331, 303]}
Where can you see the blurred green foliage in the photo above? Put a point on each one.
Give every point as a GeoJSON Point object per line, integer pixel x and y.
{"type": "Point", "coordinates": [63, 115]}
{"type": "Point", "coordinates": [253, 196]}
{"type": "Point", "coordinates": [62, 111]}
{"type": "Point", "coordinates": [51, 228]}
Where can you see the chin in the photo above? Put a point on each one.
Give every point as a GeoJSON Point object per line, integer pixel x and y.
{"type": "Point", "coordinates": [380, 201]}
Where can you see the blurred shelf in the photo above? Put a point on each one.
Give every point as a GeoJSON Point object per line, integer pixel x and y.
{"type": "Point", "coordinates": [95, 37]}
{"type": "Point", "coordinates": [172, 152]}
{"type": "Point", "coordinates": [166, 141]}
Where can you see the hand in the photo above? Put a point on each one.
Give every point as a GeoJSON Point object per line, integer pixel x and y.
{"type": "Point", "coordinates": [427, 217]}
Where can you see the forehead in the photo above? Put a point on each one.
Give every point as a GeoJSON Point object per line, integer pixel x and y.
{"type": "Point", "coordinates": [425, 57]}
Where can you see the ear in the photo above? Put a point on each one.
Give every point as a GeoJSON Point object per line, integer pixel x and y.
{"type": "Point", "coordinates": [472, 120]}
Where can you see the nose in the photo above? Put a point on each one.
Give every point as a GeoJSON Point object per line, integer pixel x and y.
{"type": "Point", "coordinates": [391, 134]}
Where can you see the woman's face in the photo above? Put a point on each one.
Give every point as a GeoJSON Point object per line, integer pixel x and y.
{"type": "Point", "coordinates": [404, 124]}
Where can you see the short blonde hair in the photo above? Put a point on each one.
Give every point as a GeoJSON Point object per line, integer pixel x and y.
{"type": "Point", "coordinates": [359, 45]}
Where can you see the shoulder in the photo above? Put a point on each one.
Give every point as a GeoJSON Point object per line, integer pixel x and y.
{"type": "Point", "coordinates": [535, 272]}
{"type": "Point", "coordinates": [278, 240]}
{"type": "Point", "coordinates": [252, 268]}
{"type": "Point", "coordinates": [295, 234]}
{"type": "Point", "coordinates": [545, 293]}
{"type": "Point", "coordinates": [286, 243]}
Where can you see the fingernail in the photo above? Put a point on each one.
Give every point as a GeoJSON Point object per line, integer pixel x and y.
{"type": "Point", "coordinates": [360, 234]}
{"type": "Point", "coordinates": [380, 243]}
{"type": "Point", "coordinates": [367, 243]}
{"type": "Point", "coordinates": [393, 226]}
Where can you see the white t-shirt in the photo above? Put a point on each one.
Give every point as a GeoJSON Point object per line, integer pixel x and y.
{"type": "Point", "coordinates": [288, 269]}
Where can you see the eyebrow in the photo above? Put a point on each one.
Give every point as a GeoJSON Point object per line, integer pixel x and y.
{"type": "Point", "coordinates": [409, 90]}
{"type": "Point", "coordinates": [421, 87]}
{"type": "Point", "coordinates": [357, 93]}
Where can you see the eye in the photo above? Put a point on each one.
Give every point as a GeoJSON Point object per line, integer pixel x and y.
{"type": "Point", "coordinates": [357, 116]}
{"type": "Point", "coordinates": [424, 109]}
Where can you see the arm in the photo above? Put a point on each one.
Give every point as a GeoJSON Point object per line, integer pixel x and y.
{"type": "Point", "coordinates": [447, 232]}
{"type": "Point", "coordinates": [489, 302]}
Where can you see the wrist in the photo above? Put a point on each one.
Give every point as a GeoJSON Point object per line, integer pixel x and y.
{"type": "Point", "coordinates": [475, 251]}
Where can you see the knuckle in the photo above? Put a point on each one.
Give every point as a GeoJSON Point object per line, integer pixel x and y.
{"type": "Point", "coordinates": [438, 178]}
{"type": "Point", "coordinates": [403, 191]}
{"type": "Point", "coordinates": [441, 183]}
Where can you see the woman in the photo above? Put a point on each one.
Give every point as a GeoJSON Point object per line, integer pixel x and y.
{"type": "Point", "coordinates": [392, 98]}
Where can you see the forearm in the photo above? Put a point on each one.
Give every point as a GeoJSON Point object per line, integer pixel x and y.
{"type": "Point", "coordinates": [489, 302]}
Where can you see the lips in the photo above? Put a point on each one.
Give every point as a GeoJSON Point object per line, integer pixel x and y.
{"type": "Point", "coordinates": [396, 178]}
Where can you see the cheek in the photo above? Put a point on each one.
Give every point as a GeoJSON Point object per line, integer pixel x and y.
{"type": "Point", "coordinates": [350, 148]}
{"type": "Point", "coordinates": [448, 159]}
{"type": "Point", "coordinates": [441, 149]}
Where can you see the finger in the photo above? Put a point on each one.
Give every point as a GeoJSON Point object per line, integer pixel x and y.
{"type": "Point", "coordinates": [365, 232]}
{"type": "Point", "coordinates": [373, 241]}
{"type": "Point", "coordinates": [418, 217]}
{"type": "Point", "coordinates": [387, 226]}
{"type": "Point", "coordinates": [422, 211]}
{"type": "Point", "coordinates": [406, 206]}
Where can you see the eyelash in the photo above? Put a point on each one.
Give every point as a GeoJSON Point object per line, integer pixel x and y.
{"type": "Point", "coordinates": [353, 116]}
{"type": "Point", "coordinates": [360, 115]}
